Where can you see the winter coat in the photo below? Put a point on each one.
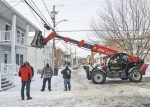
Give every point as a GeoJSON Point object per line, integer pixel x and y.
{"type": "Point", "coordinates": [32, 71]}
{"type": "Point", "coordinates": [25, 73]}
{"type": "Point", "coordinates": [47, 72]}
{"type": "Point", "coordinates": [66, 73]}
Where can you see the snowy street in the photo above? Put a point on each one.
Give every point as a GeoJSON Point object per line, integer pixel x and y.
{"type": "Point", "coordinates": [114, 93]}
{"type": "Point", "coordinates": [47, 42]}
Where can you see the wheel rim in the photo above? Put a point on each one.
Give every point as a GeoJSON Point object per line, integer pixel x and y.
{"type": "Point", "coordinates": [98, 77]}
{"type": "Point", "coordinates": [136, 76]}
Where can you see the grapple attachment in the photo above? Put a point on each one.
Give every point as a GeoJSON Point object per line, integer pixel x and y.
{"type": "Point", "coordinates": [38, 40]}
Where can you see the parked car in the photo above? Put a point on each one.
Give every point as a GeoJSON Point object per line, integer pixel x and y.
{"type": "Point", "coordinates": [75, 67]}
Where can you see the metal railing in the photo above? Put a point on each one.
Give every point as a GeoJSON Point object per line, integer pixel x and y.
{"type": "Point", "coordinates": [6, 36]}
{"type": "Point", "coordinates": [7, 72]}
{"type": "Point", "coordinates": [21, 40]}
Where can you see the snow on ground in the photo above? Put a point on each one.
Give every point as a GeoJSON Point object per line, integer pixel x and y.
{"type": "Point", "coordinates": [147, 74]}
{"type": "Point", "coordinates": [114, 93]}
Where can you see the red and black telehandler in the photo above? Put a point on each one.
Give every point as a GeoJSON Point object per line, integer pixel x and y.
{"type": "Point", "coordinates": [118, 65]}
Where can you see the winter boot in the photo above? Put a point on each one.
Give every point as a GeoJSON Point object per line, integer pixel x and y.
{"type": "Point", "coordinates": [42, 89]}
{"type": "Point", "coordinates": [22, 98]}
{"type": "Point", "coordinates": [65, 89]}
{"type": "Point", "coordinates": [29, 98]}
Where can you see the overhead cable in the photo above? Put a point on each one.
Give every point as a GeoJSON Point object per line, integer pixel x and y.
{"type": "Point", "coordinates": [46, 8]}
{"type": "Point", "coordinates": [96, 30]}
{"type": "Point", "coordinates": [35, 18]}
{"type": "Point", "coordinates": [39, 10]}
{"type": "Point", "coordinates": [48, 27]}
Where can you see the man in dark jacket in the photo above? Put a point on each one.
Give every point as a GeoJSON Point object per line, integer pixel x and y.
{"type": "Point", "coordinates": [47, 74]}
{"type": "Point", "coordinates": [26, 75]}
{"type": "Point", "coordinates": [66, 75]}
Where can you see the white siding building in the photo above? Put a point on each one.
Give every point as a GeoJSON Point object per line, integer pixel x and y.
{"type": "Point", "coordinates": [39, 57]}
{"type": "Point", "coordinates": [14, 31]}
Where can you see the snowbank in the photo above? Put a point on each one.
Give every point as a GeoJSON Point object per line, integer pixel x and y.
{"type": "Point", "coordinates": [114, 93]}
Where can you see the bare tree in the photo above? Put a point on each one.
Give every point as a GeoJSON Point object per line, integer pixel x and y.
{"type": "Point", "coordinates": [127, 23]}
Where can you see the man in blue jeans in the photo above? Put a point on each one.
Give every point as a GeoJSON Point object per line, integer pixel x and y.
{"type": "Point", "coordinates": [66, 75]}
{"type": "Point", "coordinates": [47, 73]}
{"type": "Point", "coordinates": [25, 73]}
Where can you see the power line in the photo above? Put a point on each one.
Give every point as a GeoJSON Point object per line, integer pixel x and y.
{"type": "Point", "coordinates": [83, 3]}
{"type": "Point", "coordinates": [64, 44]}
{"type": "Point", "coordinates": [67, 48]}
{"type": "Point", "coordinates": [48, 27]}
{"type": "Point", "coordinates": [46, 8]}
{"type": "Point", "coordinates": [79, 30]}
{"type": "Point", "coordinates": [98, 30]}
{"type": "Point", "coordinates": [35, 18]}
{"type": "Point", "coordinates": [38, 10]}
{"type": "Point", "coordinates": [35, 11]}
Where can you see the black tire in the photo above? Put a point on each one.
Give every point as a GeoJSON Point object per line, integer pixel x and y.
{"type": "Point", "coordinates": [124, 78]}
{"type": "Point", "coordinates": [98, 77]}
{"type": "Point", "coordinates": [130, 79]}
{"type": "Point", "coordinates": [89, 77]}
{"type": "Point", "coordinates": [135, 75]}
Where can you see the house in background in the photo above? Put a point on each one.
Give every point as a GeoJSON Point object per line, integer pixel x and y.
{"type": "Point", "coordinates": [67, 59]}
{"type": "Point", "coordinates": [14, 31]}
{"type": "Point", "coordinates": [59, 58]}
{"type": "Point", "coordinates": [82, 61]}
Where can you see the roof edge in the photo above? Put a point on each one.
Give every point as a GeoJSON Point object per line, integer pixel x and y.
{"type": "Point", "coordinates": [19, 14]}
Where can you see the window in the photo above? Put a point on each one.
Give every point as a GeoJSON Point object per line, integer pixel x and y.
{"type": "Point", "coordinates": [18, 36]}
{"type": "Point", "coordinates": [124, 59]}
{"type": "Point", "coordinates": [8, 27]}
{"type": "Point", "coordinates": [7, 33]}
{"type": "Point", "coordinates": [22, 38]}
{"type": "Point", "coordinates": [5, 58]}
{"type": "Point", "coordinates": [19, 59]}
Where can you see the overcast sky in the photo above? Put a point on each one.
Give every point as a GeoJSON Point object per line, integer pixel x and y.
{"type": "Point", "coordinates": [79, 14]}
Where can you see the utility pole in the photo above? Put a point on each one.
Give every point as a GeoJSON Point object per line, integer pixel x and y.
{"type": "Point", "coordinates": [53, 13]}
{"type": "Point", "coordinates": [75, 57]}
{"type": "Point", "coordinates": [70, 56]}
